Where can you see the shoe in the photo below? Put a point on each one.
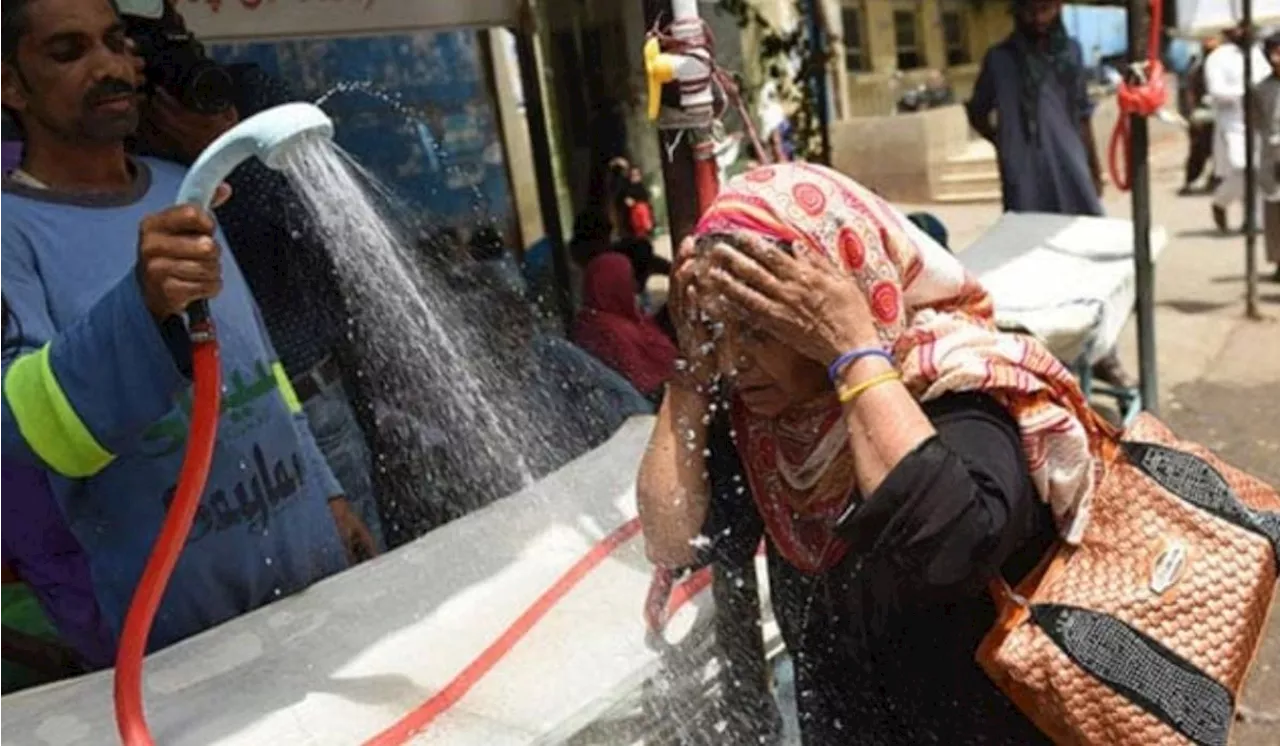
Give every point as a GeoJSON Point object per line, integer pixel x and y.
{"type": "Point", "coordinates": [1220, 218]}
{"type": "Point", "coordinates": [1110, 370]}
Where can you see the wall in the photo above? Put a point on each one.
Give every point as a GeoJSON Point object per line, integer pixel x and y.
{"type": "Point", "coordinates": [902, 156]}
{"type": "Point", "coordinates": [452, 168]}
{"type": "Point", "coordinates": [899, 156]}
{"type": "Point", "coordinates": [876, 91]}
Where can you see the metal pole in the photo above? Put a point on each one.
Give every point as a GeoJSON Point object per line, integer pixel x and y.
{"type": "Point", "coordinates": [737, 621]}
{"type": "Point", "coordinates": [678, 172]}
{"type": "Point", "coordinates": [544, 174]}
{"type": "Point", "coordinates": [1140, 194]}
{"type": "Point", "coordinates": [1250, 178]}
{"type": "Point", "coordinates": [818, 78]}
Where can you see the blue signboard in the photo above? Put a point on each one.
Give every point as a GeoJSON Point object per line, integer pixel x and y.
{"type": "Point", "coordinates": [438, 145]}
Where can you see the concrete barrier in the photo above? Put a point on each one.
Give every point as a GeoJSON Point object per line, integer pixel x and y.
{"type": "Point", "coordinates": [903, 156]}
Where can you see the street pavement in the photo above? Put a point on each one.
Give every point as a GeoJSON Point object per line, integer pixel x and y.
{"type": "Point", "coordinates": [1218, 372]}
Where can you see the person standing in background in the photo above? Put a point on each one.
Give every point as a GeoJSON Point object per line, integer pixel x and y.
{"type": "Point", "coordinates": [1225, 84]}
{"type": "Point", "coordinates": [1034, 82]}
{"type": "Point", "coordinates": [1200, 120]}
{"type": "Point", "coordinates": [638, 205]}
{"type": "Point", "coordinates": [287, 268]}
{"type": "Point", "coordinates": [1266, 119]}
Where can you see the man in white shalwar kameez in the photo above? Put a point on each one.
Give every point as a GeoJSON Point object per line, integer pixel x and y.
{"type": "Point", "coordinates": [1225, 83]}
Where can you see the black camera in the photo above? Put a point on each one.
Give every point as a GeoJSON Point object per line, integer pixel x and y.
{"type": "Point", "coordinates": [175, 60]}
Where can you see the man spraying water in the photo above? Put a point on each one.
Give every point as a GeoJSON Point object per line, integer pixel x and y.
{"type": "Point", "coordinates": [97, 269]}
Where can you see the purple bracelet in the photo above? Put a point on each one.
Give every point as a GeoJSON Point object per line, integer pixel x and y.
{"type": "Point", "coordinates": [853, 356]}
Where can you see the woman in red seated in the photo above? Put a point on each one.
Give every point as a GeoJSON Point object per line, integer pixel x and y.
{"type": "Point", "coordinates": [612, 327]}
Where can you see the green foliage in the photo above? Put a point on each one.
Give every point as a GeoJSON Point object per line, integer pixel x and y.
{"type": "Point", "coordinates": [780, 51]}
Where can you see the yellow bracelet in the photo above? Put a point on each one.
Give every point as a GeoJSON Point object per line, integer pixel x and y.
{"type": "Point", "coordinates": [853, 392]}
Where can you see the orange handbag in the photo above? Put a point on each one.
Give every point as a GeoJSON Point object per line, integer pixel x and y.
{"type": "Point", "coordinates": [1143, 634]}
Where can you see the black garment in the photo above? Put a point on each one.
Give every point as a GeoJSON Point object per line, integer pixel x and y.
{"type": "Point", "coordinates": [884, 643]}
{"type": "Point", "coordinates": [644, 262]}
{"type": "Point", "coordinates": [1199, 151]}
{"type": "Point", "coordinates": [1200, 134]}
{"type": "Point", "coordinates": [662, 317]}
{"type": "Point", "coordinates": [283, 260]}
{"type": "Point", "coordinates": [591, 235]}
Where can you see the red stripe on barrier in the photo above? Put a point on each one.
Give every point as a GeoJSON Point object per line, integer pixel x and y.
{"type": "Point", "coordinates": [421, 718]}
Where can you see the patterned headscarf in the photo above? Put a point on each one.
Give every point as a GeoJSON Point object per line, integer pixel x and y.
{"type": "Point", "coordinates": [937, 321]}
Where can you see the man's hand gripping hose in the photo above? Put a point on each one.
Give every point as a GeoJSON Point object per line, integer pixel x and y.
{"type": "Point", "coordinates": [267, 136]}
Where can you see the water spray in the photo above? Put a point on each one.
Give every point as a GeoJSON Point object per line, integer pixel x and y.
{"type": "Point", "coordinates": [268, 136]}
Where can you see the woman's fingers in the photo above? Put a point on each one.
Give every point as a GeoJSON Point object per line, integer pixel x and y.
{"type": "Point", "coordinates": [769, 255]}
{"type": "Point", "coordinates": [686, 251]}
{"type": "Point", "coordinates": [746, 269]}
{"type": "Point", "coordinates": [682, 281]}
{"type": "Point", "coordinates": [762, 309]}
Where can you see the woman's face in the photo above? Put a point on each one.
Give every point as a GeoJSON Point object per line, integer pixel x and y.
{"type": "Point", "coordinates": [766, 374]}
{"type": "Point", "coordinates": [769, 376]}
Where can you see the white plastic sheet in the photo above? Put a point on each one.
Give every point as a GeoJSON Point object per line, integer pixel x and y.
{"type": "Point", "coordinates": [1069, 280]}
{"type": "Point", "coordinates": [350, 656]}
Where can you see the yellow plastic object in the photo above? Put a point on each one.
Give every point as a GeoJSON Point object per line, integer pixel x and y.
{"type": "Point", "coordinates": [659, 68]}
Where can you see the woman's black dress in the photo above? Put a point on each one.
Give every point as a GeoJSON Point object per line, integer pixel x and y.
{"type": "Point", "coordinates": [883, 644]}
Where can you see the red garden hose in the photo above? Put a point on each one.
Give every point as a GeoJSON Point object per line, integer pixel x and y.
{"type": "Point", "coordinates": [131, 719]}
{"type": "Point", "coordinates": [1144, 98]}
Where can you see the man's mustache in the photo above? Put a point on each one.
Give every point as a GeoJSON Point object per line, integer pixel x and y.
{"type": "Point", "coordinates": [106, 89]}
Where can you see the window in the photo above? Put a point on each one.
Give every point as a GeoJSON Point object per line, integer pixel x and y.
{"type": "Point", "coordinates": [955, 33]}
{"type": "Point", "coordinates": [906, 34]}
{"type": "Point", "coordinates": [855, 46]}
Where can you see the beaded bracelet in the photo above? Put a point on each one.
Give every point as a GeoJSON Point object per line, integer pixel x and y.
{"type": "Point", "coordinates": [851, 357]}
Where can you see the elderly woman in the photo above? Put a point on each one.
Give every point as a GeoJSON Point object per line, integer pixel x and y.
{"type": "Point", "coordinates": [845, 396]}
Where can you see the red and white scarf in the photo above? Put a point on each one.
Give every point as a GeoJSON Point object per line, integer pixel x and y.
{"type": "Point", "coordinates": [938, 322]}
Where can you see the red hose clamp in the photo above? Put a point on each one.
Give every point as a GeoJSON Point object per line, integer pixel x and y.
{"type": "Point", "coordinates": [1144, 98]}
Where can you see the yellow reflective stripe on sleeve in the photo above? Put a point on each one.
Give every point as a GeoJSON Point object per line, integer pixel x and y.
{"type": "Point", "coordinates": [51, 427]}
{"type": "Point", "coordinates": [286, 388]}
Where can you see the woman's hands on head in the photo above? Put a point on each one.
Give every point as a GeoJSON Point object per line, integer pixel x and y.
{"type": "Point", "coordinates": [696, 368]}
{"type": "Point", "coordinates": [806, 301]}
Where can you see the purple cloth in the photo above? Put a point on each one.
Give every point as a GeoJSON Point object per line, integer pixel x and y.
{"type": "Point", "coordinates": [12, 151]}
{"type": "Point", "coordinates": [39, 547]}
